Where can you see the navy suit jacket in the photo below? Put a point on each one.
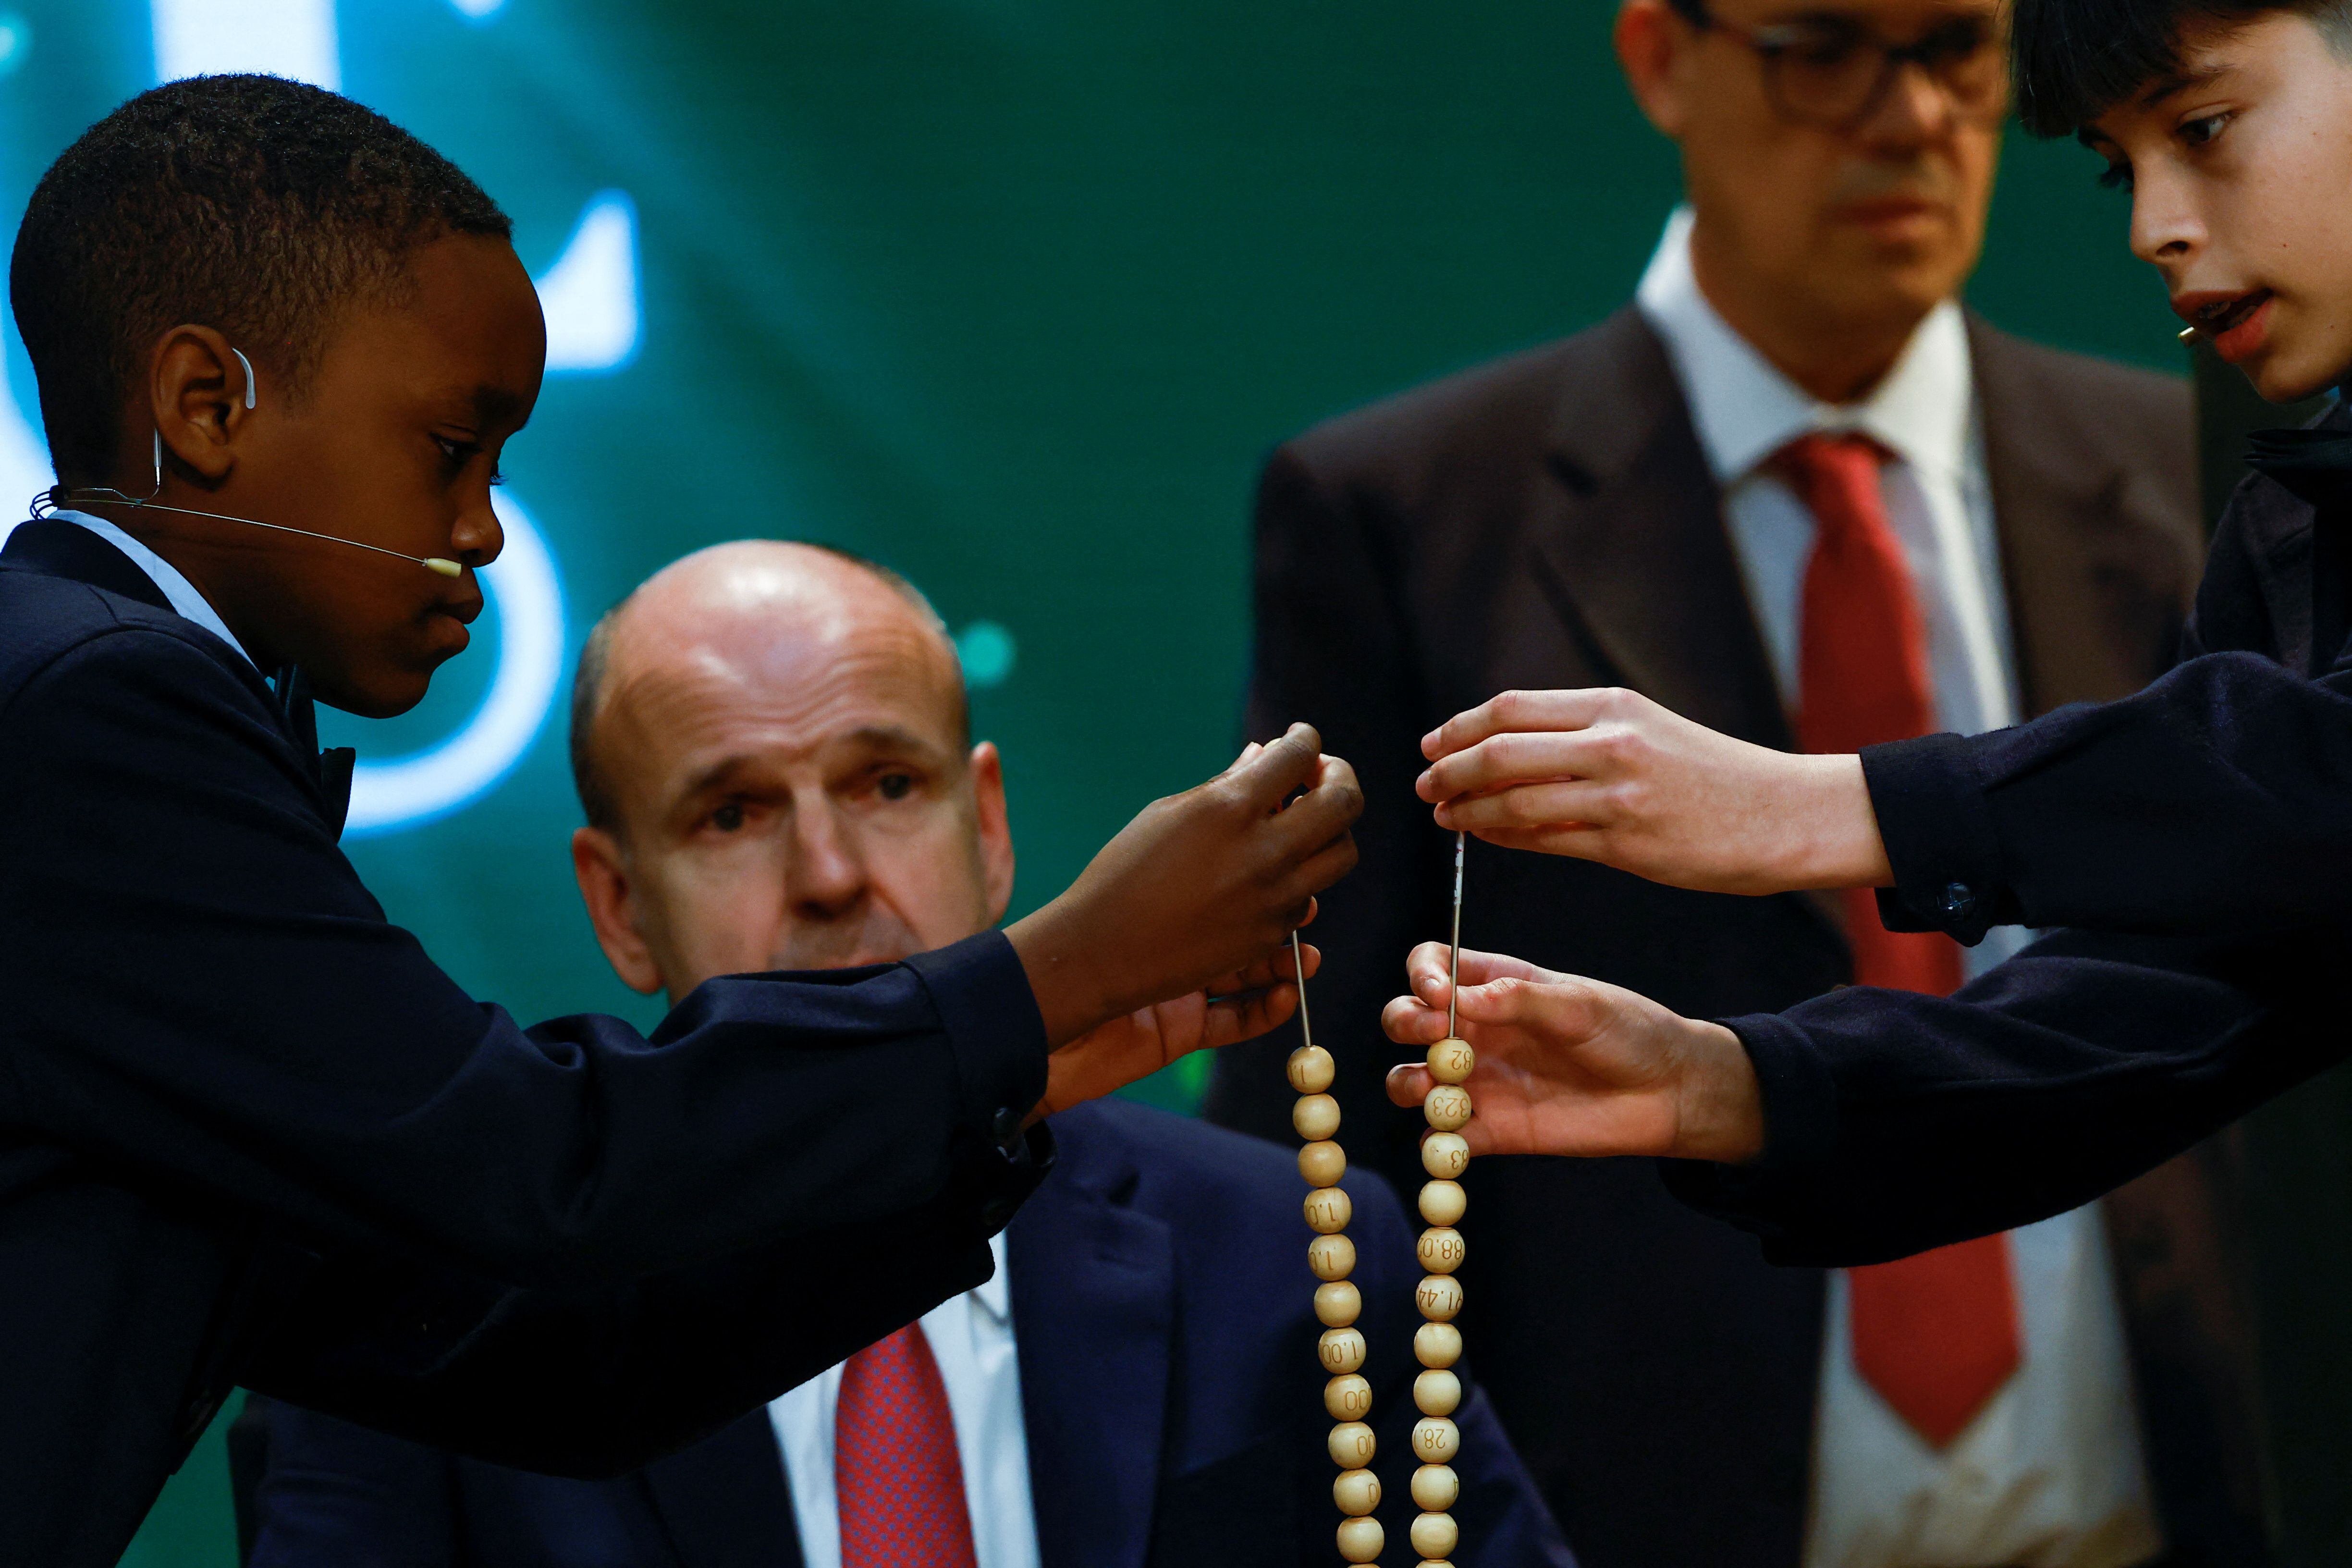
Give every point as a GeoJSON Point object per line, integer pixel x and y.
{"type": "Point", "coordinates": [250, 1134]}
{"type": "Point", "coordinates": [1163, 1318]}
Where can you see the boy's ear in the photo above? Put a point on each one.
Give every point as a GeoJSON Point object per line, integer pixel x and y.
{"type": "Point", "coordinates": [197, 388]}
{"type": "Point", "coordinates": [1653, 49]}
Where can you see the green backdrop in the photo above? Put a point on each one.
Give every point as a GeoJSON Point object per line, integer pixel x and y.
{"type": "Point", "coordinates": [1012, 294]}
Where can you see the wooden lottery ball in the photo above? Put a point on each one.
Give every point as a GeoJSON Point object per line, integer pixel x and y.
{"type": "Point", "coordinates": [1352, 1443]}
{"type": "Point", "coordinates": [1360, 1539]}
{"type": "Point", "coordinates": [1340, 1350]}
{"type": "Point", "coordinates": [1444, 1155]}
{"type": "Point", "coordinates": [1356, 1493]}
{"type": "Point", "coordinates": [1434, 1393]}
{"type": "Point", "coordinates": [1331, 1256]}
{"type": "Point", "coordinates": [1328, 1209]}
{"type": "Point", "coordinates": [1439, 1297]}
{"type": "Point", "coordinates": [1322, 1164]}
{"type": "Point", "coordinates": [1309, 1070]}
{"type": "Point", "coordinates": [1447, 1107]}
{"type": "Point", "coordinates": [1317, 1116]}
{"type": "Point", "coordinates": [1441, 1249]}
{"type": "Point", "coordinates": [1435, 1488]}
{"type": "Point", "coordinates": [1450, 1060]}
{"type": "Point", "coordinates": [1350, 1398]}
{"type": "Point", "coordinates": [1437, 1344]}
{"type": "Point", "coordinates": [1434, 1438]}
{"type": "Point", "coordinates": [1337, 1304]}
{"type": "Point", "coordinates": [1442, 1203]}
{"type": "Point", "coordinates": [1435, 1535]}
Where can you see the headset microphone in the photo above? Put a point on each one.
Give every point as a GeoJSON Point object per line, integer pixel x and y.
{"type": "Point", "coordinates": [60, 496]}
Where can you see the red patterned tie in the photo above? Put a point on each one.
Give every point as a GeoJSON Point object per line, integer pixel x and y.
{"type": "Point", "coordinates": [895, 1476]}
{"type": "Point", "coordinates": [1937, 1335]}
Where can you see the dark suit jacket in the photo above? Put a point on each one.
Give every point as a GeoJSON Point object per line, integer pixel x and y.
{"type": "Point", "coordinates": [249, 1133]}
{"type": "Point", "coordinates": [1550, 520]}
{"type": "Point", "coordinates": [1172, 1400]}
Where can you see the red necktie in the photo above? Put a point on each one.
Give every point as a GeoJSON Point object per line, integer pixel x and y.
{"type": "Point", "coordinates": [896, 1476]}
{"type": "Point", "coordinates": [1936, 1335]}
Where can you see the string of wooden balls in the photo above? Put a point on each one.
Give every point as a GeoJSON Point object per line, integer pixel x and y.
{"type": "Point", "coordinates": [1437, 1344]}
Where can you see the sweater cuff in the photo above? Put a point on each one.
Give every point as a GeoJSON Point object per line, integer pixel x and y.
{"type": "Point", "coordinates": [1800, 1097]}
{"type": "Point", "coordinates": [994, 1026]}
{"type": "Point", "coordinates": [1939, 838]}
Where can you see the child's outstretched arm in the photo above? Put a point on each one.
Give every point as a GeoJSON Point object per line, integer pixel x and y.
{"type": "Point", "coordinates": [1570, 1066]}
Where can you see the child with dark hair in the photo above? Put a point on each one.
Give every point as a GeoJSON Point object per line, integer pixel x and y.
{"type": "Point", "coordinates": [249, 1133]}
{"type": "Point", "coordinates": [2197, 836]}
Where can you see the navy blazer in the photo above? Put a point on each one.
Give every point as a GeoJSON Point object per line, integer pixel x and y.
{"type": "Point", "coordinates": [249, 1133]}
{"type": "Point", "coordinates": [1163, 1318]}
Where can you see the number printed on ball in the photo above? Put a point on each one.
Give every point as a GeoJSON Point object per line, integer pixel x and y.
{"type": "Point", "coordinates": [1435, 1488]}
{"type": "Point", "coordinates": [1439, 1297]}
{"type": "Point", "coordinates": [1360, 1539]}
{"type": "Point", "coordinates": [1328, 1209]}
{"type": "Point", "coordinates": [1331, 1256]}
{"type": "Point", "coordinates": [1309, 1070]}
{"type": "Point", "coordinates": [1435, 1535]}
{"type": "Point", "coordinates": [1447, 1107]}
{"type": "Point", "coordinates": [1337, 1304]}
{"type": "Point", "coordinates": [1322, 1164]}
{"type": "Point", "coordinates": [1436, 1438]}
{"type": "Point", "coordinates": [1316, 1116]}
{"type": "Point", "coordinates": [1441, 1249]}
{"type": "Point", "coordinates": [1349, 1397]}
{"type": "Point", "coordinates": [1450, 1060]}
{"type": "Point", "coordinates": [1340, 1350]}
{"type": "Point", "coordinates": [1434, 1393]}
{"type": "Point", "coordinates": [1442, 1203]}
{"type": "Point", "coordinates": [1356, 1493]}
{"type": "Point", "coordinates": [1444, 1155]}
{"type": "Point", "coordinates": [1437, 1344]}
{"type": "Point", "coordinates": [1352, 1445]}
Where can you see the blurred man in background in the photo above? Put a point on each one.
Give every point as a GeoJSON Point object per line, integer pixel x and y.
{"type": "Point", "coordinates": [1796, 491]}
{"type": "Point", "coordinates": [773, 748]}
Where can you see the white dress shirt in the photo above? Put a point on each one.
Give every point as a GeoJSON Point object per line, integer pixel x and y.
{"type": "Point", "coordinates": [2049, 1475]}
{"type": "Point", "coordinates": [167, 577]}
{"type": "Point", "coordinates": [971, 1337]}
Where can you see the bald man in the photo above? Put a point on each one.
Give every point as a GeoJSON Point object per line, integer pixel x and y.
{"type": "Point", "coordinates": [774, 752]}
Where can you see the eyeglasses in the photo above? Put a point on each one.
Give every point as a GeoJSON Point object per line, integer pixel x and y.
{"type": "Point", "coordinates": [1833, 73]}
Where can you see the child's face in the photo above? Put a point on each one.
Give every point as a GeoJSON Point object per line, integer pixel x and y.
{"type": "Point", "coordinates": [394, 442]}
{"type": "Point", "coordinates": [2240, 169]}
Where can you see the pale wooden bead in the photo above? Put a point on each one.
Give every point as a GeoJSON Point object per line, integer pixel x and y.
{"type": "Point", "coordinates": [1442, 1203]}
{"type": "Point", "coordinates": [1356, 1493]}
{"type": "Point", "coordinates": [1447, 1107]}
{"type": "Point", "coordinates": [1444, 1155]}
{"type": "Point", "coordinates": [1434, 1393]}
{"type": "Point", "coordinates": [1331, 1256]}
{"type": "Point", "coordinates": [1439, 1250]}
{"type": "Point", "coordinates": [1450, 1060]}
{"type": "Point", "coordinates": [1322, 1164]}
{"type": "Point", "coordinates": [1437, 1344]}
{"type": "Point", "coordinates": [1352, 1445]}
{"type": "Point", "coordinates": [1316, 1116]}
{"type": "Point", "coordinates": [1328, 1209]}
{"type": "Point", "coordinates": [1360, 1539]}
{"type": "Point", "coordinates": [1350, 1398]}
{"type": "Point", "coordinates": [1435, 1439]}
{"type": "Point", "coordinates": [1435, 1534]}
{"type": "Point", "coordinates": [1435, 1488]}
{"type": "Point", "coordinates": [1340, 1350]}
{"type": "Point", "coordinates": [1439, 1297]}
{"type": "Point", "coordinates": [1337, 1304]}
{"type": "Point", "coordinates": [1309, 1070]}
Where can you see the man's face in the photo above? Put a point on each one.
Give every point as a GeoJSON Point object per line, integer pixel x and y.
{"type": "Point", "coordinates": [782, 732]}
{"type": "Point", "coordinates": [394, 442]}
{"type": "Point", "coordinates": [2238, 168]}
{"type": "Point", "coordinates": [1876, 218]}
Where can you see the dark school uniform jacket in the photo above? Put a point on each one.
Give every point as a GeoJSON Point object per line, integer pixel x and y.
{"type": "Point", "coordinates": [249, 1134]}
{"type": "Point", "coordinates": [2197, 836]}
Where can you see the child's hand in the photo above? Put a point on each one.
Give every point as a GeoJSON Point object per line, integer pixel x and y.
{"type": "Point", "coordinates": [1570, 1065]}
{"type": "Point", "coordinates": [1609, 775]}
{"type": "Point", "coordinates": [1200, 885]}
{"type": "Point", "coordinates": [1235, 1007]}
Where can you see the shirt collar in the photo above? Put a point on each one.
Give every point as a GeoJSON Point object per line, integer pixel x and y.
{"type": "Point", "coordinates": [1745, 410]}
{"type": "Point", "coordinates": [166, 577]}
{"type": "Point", "coordinates": [994, 1296]}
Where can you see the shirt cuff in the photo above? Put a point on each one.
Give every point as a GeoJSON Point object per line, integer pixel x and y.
{"type": "Point", "coordinates": [994, 1026]}
{"type": "Point", "coordinates": [1939, 838]}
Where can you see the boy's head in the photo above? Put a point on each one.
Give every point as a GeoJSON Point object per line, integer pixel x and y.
{"type": "Point", "coordinates": [2231, 122]}
{"type": "Point", "coordinates": [395, 341]}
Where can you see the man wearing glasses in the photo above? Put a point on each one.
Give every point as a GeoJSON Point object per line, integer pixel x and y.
{"type": "Point", "coordinates": [1794, 491]}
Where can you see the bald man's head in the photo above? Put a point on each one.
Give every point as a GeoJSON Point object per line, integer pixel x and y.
{"type": "Point", "coordinates": [771, 743]}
